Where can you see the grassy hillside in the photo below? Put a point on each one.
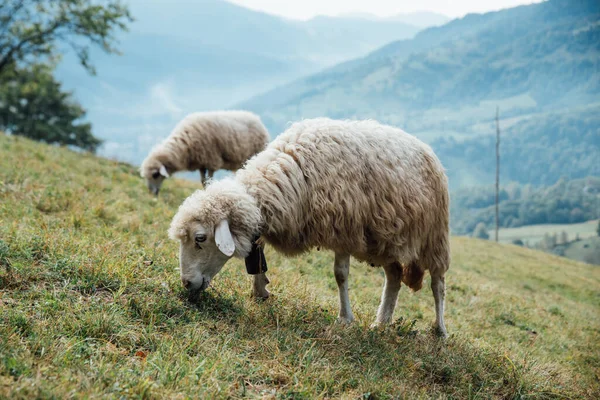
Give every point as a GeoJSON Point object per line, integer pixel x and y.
{"type": "Point", "coordinates": [92, 305]}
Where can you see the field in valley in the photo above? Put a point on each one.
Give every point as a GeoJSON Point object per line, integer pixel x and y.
{"type": "Point", "coordinates": [535, 233]}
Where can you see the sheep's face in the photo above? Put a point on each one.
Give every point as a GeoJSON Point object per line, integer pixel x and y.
{"type": "Point", "coordinates": [203, 253]}
{"type": "Point", "coordinates": [154, 178]}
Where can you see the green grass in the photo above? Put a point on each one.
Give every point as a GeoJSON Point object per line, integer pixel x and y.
{"type": "Point", "coordinates": [91, 306]}
{"type": "Point", "coordinates": [586, 250]}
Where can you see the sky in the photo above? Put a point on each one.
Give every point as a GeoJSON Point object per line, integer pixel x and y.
{"type": "Point", "coordinates": [305, 9]}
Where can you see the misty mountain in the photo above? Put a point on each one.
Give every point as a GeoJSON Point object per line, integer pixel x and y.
{"type": "Point", "coordinates": [182, 56]}
{"type": "Point", "coordinates": [540, 64]}
{"type": "Point", "coordinates": [422, 19]}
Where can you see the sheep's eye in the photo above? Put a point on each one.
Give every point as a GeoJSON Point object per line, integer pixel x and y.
{"type": "Point", "coordinates": [199, 239]}
{"type": "Point", "coordinates": [155, 175]}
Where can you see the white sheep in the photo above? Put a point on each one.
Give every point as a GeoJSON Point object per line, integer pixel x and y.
{"type": "Point", "coordinates": [359, 188]}
{"type": "Point", "coordinates": [205, 141]}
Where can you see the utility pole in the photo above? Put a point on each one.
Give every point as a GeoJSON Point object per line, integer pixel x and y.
{"type": "Point", "coordinates": [497, 168]}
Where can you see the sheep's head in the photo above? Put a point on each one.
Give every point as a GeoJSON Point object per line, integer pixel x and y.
{"type": "Point", "coordinates": [212, 226]}
{"type": "Point", "coordinates": [155, 173]}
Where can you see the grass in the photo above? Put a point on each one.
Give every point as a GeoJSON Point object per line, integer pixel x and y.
{"type": "Point", "coordinates": [586, 250]}
{"type": "Point", "coordinates": [91, 306]}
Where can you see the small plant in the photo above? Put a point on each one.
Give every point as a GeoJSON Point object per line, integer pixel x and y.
{"type": "Point", "coordinates": [405, 328]}
{"type": "Point", "coordinates": [554, 310]}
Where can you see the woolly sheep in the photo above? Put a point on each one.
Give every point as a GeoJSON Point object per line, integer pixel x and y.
{"type": "Point", "coordinates": [358, 188]}
{"type": "Point", "coordinates": [205, 141]}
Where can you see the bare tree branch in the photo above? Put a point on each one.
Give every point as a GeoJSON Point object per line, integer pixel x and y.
{"type": "Point", "coordinates": [7, 58]}
{"type": "Point", "coordinates": [10, 16]}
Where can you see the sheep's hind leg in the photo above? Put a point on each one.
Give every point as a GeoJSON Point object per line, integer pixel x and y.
{"type": "Point", "coordinates": [438, 286]}
{"type": "Point", "coordinates": [259, 287]}
{"type": "Point", "coordinates": [209, 174]}
{"type": "Point", "coordinates": [389, 296]}
{"type": "Point", "coordinates": [341, 269]}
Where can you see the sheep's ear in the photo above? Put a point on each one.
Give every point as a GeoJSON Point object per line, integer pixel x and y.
{"type": "Point", "coordinates": [223, 238]}
{"type": "Point", "coordinates": [163, 171]}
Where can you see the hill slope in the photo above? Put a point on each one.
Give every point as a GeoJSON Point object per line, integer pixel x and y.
{"type": "Point", "coordinates": [538, 63]}
{"type": "Point", "coordinates": [92, 305]}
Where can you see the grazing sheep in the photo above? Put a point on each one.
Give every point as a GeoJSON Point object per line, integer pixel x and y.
{"type": "Point", "coordinates": [206, 141]}
{"type": "Point", "coordinates": [360, 188]}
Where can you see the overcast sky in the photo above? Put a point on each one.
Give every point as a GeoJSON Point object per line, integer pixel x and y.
{"type": "Point", "coordinates": [304, 9]}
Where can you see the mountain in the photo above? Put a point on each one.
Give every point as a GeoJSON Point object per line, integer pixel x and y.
{"type": "Point", "coordinates": [188, 55]}
{"type": "Point", "coordinates": [422, 19]}
{"type": "Point", "coordinates": [538, 63]}
{"type": "Point", "coordinates": [92, 306]}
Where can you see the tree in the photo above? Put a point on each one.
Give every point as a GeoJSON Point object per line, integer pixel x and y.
{"type": "Point", "coordinates": [598, 228]}
{"type": "Point", "coordinates": [564, 237]}
{"type": "Point", "coordinates": [549, 241]}
{"type": "Point", "coordinates": [32, 104]}
{"type": "Point", "coordinates": [32, 35]}
{"type": "Point", "coordinates": [480, 231]}
{"type": "Point", "coordinates": [31, 30]}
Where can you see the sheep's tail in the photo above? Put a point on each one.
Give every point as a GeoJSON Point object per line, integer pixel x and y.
{"type": "Point", "coordinates": [412, 276]}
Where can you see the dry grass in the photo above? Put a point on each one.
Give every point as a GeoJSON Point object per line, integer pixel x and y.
{"type": "Point", "coordinates": [91, 306]}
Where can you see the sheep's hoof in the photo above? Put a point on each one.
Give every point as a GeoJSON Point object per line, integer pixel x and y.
{"type": "Point", "coordinates": [261, 294]}
{"type": "Point", "coordinates": [377, 325]}
{"type": "Point", "coordinates": [344, 320]}
{"type": "Point", "coordinates": [440, 332]}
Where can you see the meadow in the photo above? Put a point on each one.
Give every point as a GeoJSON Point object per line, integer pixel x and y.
{"type": "Point", "coordinates": [535, 233]}
{"type": "Point", "coordinates": [91, 306]}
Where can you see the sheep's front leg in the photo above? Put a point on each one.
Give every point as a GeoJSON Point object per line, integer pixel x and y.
{"type": "Point", "coordinates": [203, 177]}
{"type": "Point", "coordinates": [438, 287]}
{"type": "Point", "coordinates": [393, 279]}
{"type": "Point", "coordinates": [259, 287]}
{"type": "Point", "coordinates": [341, 270]}
{"type": "Point", "coordinates": [209, 174]}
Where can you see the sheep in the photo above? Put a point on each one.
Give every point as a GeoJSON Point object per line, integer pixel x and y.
{"type": "Point", "coordinates": [205, 141]}
{"type": "Point", "coordinates": [357, 188]}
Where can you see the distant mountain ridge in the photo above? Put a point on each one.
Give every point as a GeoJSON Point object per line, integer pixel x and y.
{"type": "Point", "coordinates": [182, 56]}
{"type": "Point", "coordinates": [444, 84]}
{"type": "Point", "coordinates": [421, 19]}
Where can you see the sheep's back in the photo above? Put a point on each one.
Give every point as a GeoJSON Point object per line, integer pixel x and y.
{"type": "Point", "coordinates": [220, 139]}
{"type": "Point", "coordinates": [362, 188]}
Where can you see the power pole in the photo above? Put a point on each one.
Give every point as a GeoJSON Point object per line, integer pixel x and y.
{"type": "Point", "coordinates": [497, 168]}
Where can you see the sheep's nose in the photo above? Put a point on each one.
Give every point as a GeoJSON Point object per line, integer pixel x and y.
{"type": "Point", "coordinates": [186, 283]}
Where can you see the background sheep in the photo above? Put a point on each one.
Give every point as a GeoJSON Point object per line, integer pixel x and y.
{"type": "Point", "coordinates": [206, 141]}
{"type": "Point", "coordinates": [358, 188]}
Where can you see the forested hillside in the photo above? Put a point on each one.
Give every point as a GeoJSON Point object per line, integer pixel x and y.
{"type": "Point", "coordinates": [566, 202]}
{"type": "Point", "coordinates": [538, 63]}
